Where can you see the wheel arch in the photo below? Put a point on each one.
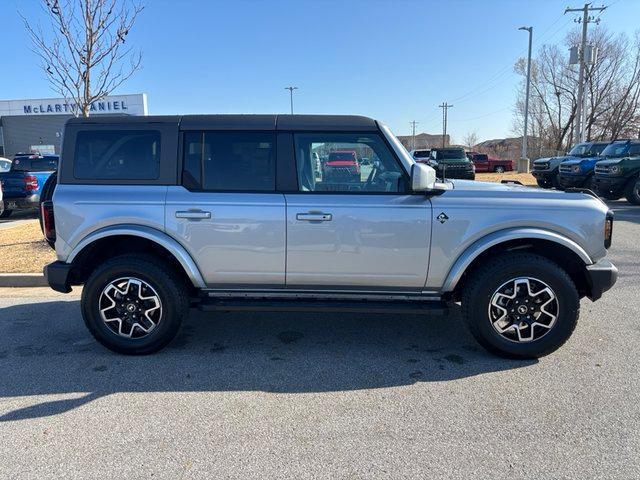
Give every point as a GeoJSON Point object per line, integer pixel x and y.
{"type": "Point", "coordinates": [111, 241]}
{"type": "Point", "coordinates": [564, 251]}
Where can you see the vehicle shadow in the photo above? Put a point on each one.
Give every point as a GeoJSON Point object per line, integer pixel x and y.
{"type": "Point", "coordinates": [624, 211]}
{"type": "Point", "coordinates": [45, 349]}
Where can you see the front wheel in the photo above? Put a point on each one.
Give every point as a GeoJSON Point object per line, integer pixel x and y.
{"type": "Point", "coordinates": [499, 169]}
{"type": "Point", "coordinates": [134, 304]}
{"type": "Point", "coordinates": [632, 191]}
{"type": "Point", "coordinates": [543, 183]}
{"type": "Point", "coordinates": [520, 305]}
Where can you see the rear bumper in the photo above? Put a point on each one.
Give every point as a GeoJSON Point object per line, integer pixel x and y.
{"type": "Point", "coordinates": [58, 276]}
{"type": "Point", "coordinates": [22, 203]}
{"type": "Point", "coordinates": [601, 276]}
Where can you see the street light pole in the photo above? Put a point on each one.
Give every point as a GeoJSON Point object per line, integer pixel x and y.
{"type": "Point", "coordinates": [523, 165]}
{"type": "Point", "coordinates": [291, 89]}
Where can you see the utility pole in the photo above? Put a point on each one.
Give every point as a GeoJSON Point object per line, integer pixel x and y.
{"type": "Point", "coordinates": [523, 164]}
{"type": "Point", "coordinates": [445, 107]}
{"type": "Point", "coordinates": [581, 115]}
{"type": "Point", "coordinates": [413, 134]}
{"type": "Point", "coordinates": [291, 89]}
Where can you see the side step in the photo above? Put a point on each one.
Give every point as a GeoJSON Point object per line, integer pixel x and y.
{"type": "Point", "coordinates": [435, 308]}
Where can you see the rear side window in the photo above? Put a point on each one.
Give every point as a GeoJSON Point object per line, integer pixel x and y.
{"type": "Point", "coordinates": [229, 161]}
{"type": "Point", "coordinates": [117, 155]}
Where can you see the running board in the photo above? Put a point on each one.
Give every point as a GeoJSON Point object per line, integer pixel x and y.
{"type": "Point", "coordinates": [435, 308]}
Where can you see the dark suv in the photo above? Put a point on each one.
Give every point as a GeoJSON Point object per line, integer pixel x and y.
{"type": "Point", "coordinates": [452, 163]}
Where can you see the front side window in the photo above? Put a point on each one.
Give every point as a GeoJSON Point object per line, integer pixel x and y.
{"type": "Point", "coordinates": [580, 150]}
{"type": "Point", "coordinates": [346, 162]}
{"type": "Point", "coordinates": [117, 155]}
{"type": "Point", "coordinates": [229, 161]}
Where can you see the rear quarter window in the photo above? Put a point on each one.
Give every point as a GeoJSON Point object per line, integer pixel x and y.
{"type": "Point", "coordinates": [117, 155]}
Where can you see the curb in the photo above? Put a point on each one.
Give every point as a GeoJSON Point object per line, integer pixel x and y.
{"type": "Point", "coordinates": [24, 280]}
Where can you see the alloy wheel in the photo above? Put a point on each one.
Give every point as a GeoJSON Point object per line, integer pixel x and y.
{"type": "Point", "coordinates": [130, 307]}
{"type": "Point", "coordinates": [523, 309]}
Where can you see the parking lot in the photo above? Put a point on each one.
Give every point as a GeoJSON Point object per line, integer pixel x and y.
{"type": "Point", "coordinates": [248, 395]}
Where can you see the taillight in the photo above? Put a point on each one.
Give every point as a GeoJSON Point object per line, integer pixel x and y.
{"type": "Point", "coordinates": [48, 221]}
{"type": "Point", "coordinates": [31, 183]}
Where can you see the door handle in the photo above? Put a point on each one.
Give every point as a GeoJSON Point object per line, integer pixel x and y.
{"type": "Point", "coordinates": [193, 214]}
{"type": "Point", "coordinates": [314, 217]}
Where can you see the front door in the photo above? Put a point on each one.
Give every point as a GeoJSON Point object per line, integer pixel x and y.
{"type": "Point", "coordinates": [227, 213]}
{"type": "Point", "coordinates": [362, 230]}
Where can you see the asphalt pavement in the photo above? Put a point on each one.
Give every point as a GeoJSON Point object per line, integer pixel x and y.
{"type": "Point", "coordinates": [256, 395]}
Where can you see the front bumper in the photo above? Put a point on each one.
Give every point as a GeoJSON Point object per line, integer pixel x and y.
{"type": "Point", "coordinates": [568, 181]}
{"type": "Point", "coordinates": [58, 276]}
{"type": "Point", "coordinates": [545, 175]}
{"type": "Point", "coordinates": [612, 185]}
{"type": "Point", "coordinates": [601, 276]}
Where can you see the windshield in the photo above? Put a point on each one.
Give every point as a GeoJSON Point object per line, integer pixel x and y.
{"type": "Point", "coordinates": [421, 154]}
{"type": "Point", "coordinates": [597, 148]}
{"type": "Point", "coordinates": [616, 149]}
{"type": "Point", "coordinates": [346, 156]}
{"type": "Point", "coordinates": [455, 154]}
{"type": "Point", "coordinates": [40, 164]}
{"type": "Point", "coordinates": [580, 150]}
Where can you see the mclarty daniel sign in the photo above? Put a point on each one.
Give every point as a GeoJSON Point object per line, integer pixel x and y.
{"type": "Point", "coordinates": [135, 104]}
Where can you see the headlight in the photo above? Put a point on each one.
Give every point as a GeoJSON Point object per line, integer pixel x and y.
{"type": "Point", "coordinates": [473, 167]}
{"type": "Point", "coordinates": [615, 170]}
{"type": "Point", "coordinates": [576, 169]}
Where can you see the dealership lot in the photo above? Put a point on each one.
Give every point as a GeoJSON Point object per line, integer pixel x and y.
{"type": "Point", "coordinates": [250, 395]}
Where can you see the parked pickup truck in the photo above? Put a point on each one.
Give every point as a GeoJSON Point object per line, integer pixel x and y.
{"type": "Point", "coordinates": [23, 182]}
{"type": "Point", "coordinates": [578, 172]}
{"type": "Point", "coordinates": [485, 163]}
{"type": "Point", "coordinates": [152, 217]}
{"type": "Point", "coordinates": [342, 165]}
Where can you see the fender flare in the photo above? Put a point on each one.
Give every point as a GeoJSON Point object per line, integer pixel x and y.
{"type": "Point", "coordinates": [156, 236]}
{"type": "Point", "coordinates": [481, 245]}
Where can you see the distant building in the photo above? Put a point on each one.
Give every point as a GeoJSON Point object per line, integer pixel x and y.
{"type": "Point", "coordinates": [37, 125]}
{"type": "Point", "coordinates": [423, 140]}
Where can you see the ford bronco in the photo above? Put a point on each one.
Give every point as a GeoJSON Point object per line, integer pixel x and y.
{"type": "Point", "coordinates": [157, 215]}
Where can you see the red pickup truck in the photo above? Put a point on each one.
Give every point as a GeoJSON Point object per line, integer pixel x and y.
{"type": "Point", "coordinates": [341, 166]}
{"type": "Point", "coordinates": [485, 163]}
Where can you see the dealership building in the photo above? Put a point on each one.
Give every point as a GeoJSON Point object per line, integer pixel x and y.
{"type": "Point", "coordinates": [36, 125]}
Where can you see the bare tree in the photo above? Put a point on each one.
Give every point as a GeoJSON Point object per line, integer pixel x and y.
{"type": "Point", "coordinates": [83, 48]}
{"type": "Point", "coordinates": [613, 92]}
{"type": "Point", "coordinates": [470, 140]}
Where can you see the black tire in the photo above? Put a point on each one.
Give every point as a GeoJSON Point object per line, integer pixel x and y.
{"type": "Point", "coordinates": [543, 183]}
{"type": "Point", "coordinates": [555, 183]}
{"type": "Point", "coordinates": [590, 183]}
{"type": "Point", "coordinates": [4, 213]}
{"type": "Point", "coordinates": [171, 290]}
{"type": "Point", "coordinates": [632, 191]}
{"type": "Point", "coordinates": [487, 278]}
{"type": "Point", "coordinates": [499, 169]}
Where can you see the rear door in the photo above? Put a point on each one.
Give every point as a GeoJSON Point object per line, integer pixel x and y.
{"type": "Point", "coordinates": [226, 212]}
{"type": "Point", "coordinates": [368, 234]}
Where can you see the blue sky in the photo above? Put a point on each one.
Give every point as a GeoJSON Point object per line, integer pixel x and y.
{"type": "Point", "coordinates": [392, 60]}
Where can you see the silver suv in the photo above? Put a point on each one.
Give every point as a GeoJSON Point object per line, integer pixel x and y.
{"type": "Point", "coordinates": [157, 215]}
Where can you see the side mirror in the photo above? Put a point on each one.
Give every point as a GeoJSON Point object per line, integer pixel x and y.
{"type": "Point", "coordinates": [423, 178]}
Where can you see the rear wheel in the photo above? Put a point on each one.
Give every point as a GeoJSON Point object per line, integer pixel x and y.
{"type": "Point", "coordinates": [632, 191]}
{"type": "Point", "coordinates": [134, 304]}
{"type": "Point", "coordinates": [4, 213]}
{"type": "Point", "coordinates": [499, 169]}
{"type": "Point", "coordinates": [520, 306]}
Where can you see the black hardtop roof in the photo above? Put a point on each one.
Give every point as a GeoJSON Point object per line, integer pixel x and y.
{"type": "Point", "coordinates": [239, 122]}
